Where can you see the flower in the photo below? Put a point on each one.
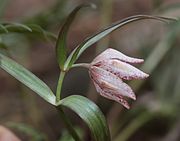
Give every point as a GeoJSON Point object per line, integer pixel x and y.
{"type": "Point", "coordinates": [107, 71]}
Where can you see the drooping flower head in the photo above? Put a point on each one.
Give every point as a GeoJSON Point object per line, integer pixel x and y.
{"type": "Point", "coordinates": [108, 70]}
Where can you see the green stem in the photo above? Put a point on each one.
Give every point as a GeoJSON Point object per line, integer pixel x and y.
{"type": "Point", "coordinates": [68, 124]}
{"type": "Point", "coordinates": [133, 126]}
{"type": "Point", "coordinates": [85, 65]}
{"type": "Point", "coordinates": [59, 86]}
{"type": "Point", "coordinates": [60, 110]}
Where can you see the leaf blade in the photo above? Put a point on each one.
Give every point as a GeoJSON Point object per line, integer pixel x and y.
{"type": "Point", "coordinates": [61, 51]}
{"type": "Point", "coordinates": [91, 115]}
{"type": "Point", "coordinates": [27, 78]}
{"type": "Point", "coordinates": [10, 27]}
{"type": "Point", "coordinates": [3, 28]}
{"type": "Point", "coordinates": [93, 39]}
{"type": "Point", "coordinates": [17, 26]}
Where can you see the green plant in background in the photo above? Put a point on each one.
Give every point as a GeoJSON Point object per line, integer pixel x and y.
{"type": "Point", "coordinates": [82, 106]}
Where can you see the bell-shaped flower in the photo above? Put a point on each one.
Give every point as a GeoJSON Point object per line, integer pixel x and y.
{"type": "Point", "coordinates": [107, 71]}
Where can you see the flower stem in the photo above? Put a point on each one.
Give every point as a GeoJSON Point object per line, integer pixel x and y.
{"type": "Point", "coordinates": [60, 110]}
{"type": "Point", "coordinates": [68, 124]}
{"type": "Point", "coordinates": [85, 65]}
{"type": "Point", "coordinates": [59, 86]}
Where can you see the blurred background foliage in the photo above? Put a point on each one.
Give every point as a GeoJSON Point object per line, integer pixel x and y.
{"type": "Point", "coordinates": [154, 116]}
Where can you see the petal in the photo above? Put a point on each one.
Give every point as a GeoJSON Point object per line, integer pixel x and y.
{"type": "Point", "coordinates": [109, 82]}
{"type": "Point", "coordinates": [111, 96]}
{"type": "Point", "coordinates": [114, 54]}
{"type": "Point", "coordinates": [122, 69]}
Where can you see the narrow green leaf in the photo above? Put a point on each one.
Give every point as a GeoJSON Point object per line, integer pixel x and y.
{"type": "Point", "coordinates": [38, 29]}
{"type": "Point", "coordinates": [93, 39]}
{"type": "Point", "coordinates": [17, 26]}
{"type": "Point", "coordinates": [3, 28]}
{"type": "Point", "coordinates": [27, 78]}
{"type": "Point", "coordinates": [61, 51]}
{"type": "Point", "coordinates": [8, 27]}
{"type": "Point", "coordinates": [91, 115]}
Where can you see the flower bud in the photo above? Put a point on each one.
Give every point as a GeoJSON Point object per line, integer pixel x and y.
{"type": "Point", "coordinates": [107, 71]}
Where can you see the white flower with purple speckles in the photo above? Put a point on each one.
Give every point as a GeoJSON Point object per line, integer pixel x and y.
{"type": "Point", "coordinates": [107, 71]}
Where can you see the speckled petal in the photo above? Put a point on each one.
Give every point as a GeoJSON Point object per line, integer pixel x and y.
{"type": "Point", "coordinates": [114, 54]}
{"type": "Point", "coordinates": [110, 83]}
{"type": "Point", "coordinates": [122, 69]}
{"type": "Point", "coordinates": [111, 96]}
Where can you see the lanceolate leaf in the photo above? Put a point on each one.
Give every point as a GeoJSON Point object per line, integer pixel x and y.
{"type": "Point", "coordinates": [39, 30]}
{"type": "Point", "coordinates": [22, 28]}
{"type": "Point", "coordinates": [61, 51]}
{"type": "Point", "coordinates": [27, 78]}
{"type": "Point", "coordinates": [3, 28]}
{"type": "Point", "coordinates": [93, 39]}
{"type": "Point", "coordinates": [91, 115]}
{"type": "Point", "coordinates": [17, 26]}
